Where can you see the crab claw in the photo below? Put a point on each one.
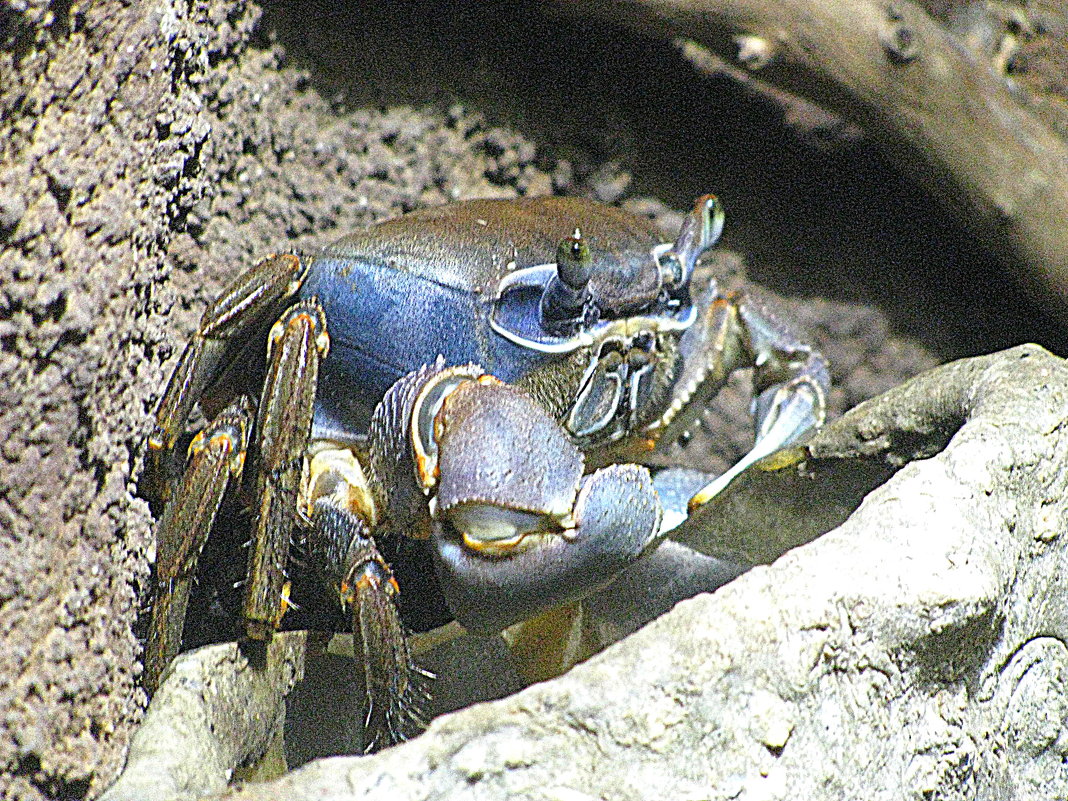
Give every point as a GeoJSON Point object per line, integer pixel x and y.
{"type": "Point", "coordinates": [786, 414]}
{"type": "Point", "coordinates": [517, 528]}
{"type": "Point", "coordinates": [616, 516]}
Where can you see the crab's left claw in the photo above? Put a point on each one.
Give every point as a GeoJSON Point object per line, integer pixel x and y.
{"type": "Point", "coordinates": [785, 413]}
{"type": "Point", "coordinates": [517, 528]}
{"type": "Point", "coordinates": [734, 330]}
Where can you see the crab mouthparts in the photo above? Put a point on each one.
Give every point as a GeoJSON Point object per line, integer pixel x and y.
{"type": "Point", "coordinates": [612, 391]}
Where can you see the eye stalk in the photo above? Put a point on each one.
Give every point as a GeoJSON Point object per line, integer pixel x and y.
{"type": "Point", "coordinates": [574, 264]}
{"type": "Point", "coordinates": [699, 231]}
{"type": "Point", "coordinates": [566, 293]}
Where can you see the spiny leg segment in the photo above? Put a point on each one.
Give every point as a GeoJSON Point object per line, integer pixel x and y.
{"type": "Point", "coordinates": [339, 539]}
{"type": "Point", "coordinates": [242, 309]}
{"type": "Point", "coordinates": [340, 521]}
{"type": "Point", "coordinates": [298, 343]}
{"type": "Point", "coordinates": [395, 688]}
{"type": "Point", "coordinates": [216, 457]}
{"type": "Point", "coordinates": [243, 305]}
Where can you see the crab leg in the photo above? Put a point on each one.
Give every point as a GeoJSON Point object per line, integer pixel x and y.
{"type": "Point", "coordinates": [216, 456]}
{"type": "Point", "coordinates": [297, 343]}
{"type": "Point", "coordinates": [242, 306]}
{"type": "Point", "coordinates": [394, 687]}
{"type": "Point", "coordinates": [338, 502]}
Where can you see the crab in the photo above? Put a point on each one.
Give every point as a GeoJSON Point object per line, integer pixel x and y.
{"type": "Point", "coordinates": [483, 380]}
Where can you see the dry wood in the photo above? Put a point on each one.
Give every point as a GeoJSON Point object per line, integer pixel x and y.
{"type": "Point", "coordinates": [942, 113]}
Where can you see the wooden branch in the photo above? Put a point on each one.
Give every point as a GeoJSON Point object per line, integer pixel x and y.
{"type": "Point", "coordinates": [940, 112]}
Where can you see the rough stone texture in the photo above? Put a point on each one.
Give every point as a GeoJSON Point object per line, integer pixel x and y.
{"type": "Point", "coordinates": [938, 609]}
{"type": "Point", "coordinates": [225, 711]}
{"type": "Point", "coordinates": [148, 151]}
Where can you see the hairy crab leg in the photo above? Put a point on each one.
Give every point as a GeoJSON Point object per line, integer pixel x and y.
{"type": "Point", "coordinates": [338, 501]}
{"type": "Point", "coordinates": [243, 305]}
{"type": "Point", "coordinates": [216, 457]}
{"type": "Point", "coordinates": [395, 689]}
{"type": "Point", "coordinates": [297, 344]}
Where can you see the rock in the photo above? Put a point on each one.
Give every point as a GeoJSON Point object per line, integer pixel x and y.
{"type": "Point", "coordinates": [915, 651]}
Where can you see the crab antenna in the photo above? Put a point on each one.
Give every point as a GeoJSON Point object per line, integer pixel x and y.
{"type": "Point", "coordinates": [700, 230]}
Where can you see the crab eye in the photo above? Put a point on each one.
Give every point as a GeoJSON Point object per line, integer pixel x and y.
{"type": "Point", "coordinates": [565, 295]}
{"type": "Point", "coordinates": [531, 310]}
{"type": "Point", "coordinates": [574, 264]}
{"type": "Point", "coordinates": [699, 231]}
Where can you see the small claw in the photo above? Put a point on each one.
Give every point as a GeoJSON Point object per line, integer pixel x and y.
{"type": "Point", "coordinates": [792, 381]}
{"type": "Point", "coordinates": [786, 414]}
{"type": "Point", "coordinates": [675, 486]}
{"type": "Point", "coordinates": [616, 515]}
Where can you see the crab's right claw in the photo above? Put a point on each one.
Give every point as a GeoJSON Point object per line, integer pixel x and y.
{"type": "Point", "coordinates": [517, 527]}
{"type": "Point", "coordinates": [616, 517]}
